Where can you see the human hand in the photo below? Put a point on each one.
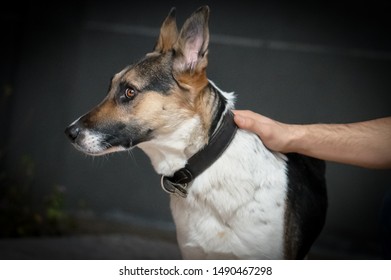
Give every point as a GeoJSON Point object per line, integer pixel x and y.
{"type": "Point", "coordinates": [275, 135]}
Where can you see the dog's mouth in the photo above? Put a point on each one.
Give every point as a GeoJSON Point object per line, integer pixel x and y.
{"type": "Point", "coordinates": [97, 143]}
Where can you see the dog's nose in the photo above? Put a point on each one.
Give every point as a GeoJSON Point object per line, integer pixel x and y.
{"type": "Point", "coordinates": [72, 132]}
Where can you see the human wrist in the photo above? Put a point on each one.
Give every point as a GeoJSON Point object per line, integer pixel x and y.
{"type": "Point", "coordinates": [295, 140]}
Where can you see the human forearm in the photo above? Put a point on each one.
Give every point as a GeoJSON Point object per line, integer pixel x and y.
{"type": "Point", "coordinates": [366, 144]}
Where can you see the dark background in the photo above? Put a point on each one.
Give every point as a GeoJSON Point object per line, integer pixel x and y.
{"type": "Point", "coordinates": [297, 62]}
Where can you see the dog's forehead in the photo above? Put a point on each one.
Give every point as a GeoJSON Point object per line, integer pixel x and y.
{"type": "Point", "coordinates": [151, 71]}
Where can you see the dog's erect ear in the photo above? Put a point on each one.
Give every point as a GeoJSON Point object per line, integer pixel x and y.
{"type": "Point", "coordinates": [168, 33]}
{"type": "Point", "coordinates": [192, 45]}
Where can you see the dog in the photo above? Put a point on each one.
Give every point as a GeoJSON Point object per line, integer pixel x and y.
{"type": "Point", "coordinates": [231, 197]}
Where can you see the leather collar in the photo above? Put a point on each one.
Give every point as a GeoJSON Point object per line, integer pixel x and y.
{"type": "Point", "coordinates": [200, 161]}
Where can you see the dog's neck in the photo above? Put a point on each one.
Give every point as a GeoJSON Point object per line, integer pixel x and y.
{"type": "Point", "coordinates": [179, 182]}
{"type": "Point", "coordinates": [170, 152]}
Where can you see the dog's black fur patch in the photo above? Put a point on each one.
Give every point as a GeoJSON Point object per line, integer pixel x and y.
{"type": "Point", "coordinates": [306, 203]}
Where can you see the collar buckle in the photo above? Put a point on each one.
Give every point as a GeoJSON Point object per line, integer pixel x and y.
{"type": "Point", "coordinates": [179, 189]}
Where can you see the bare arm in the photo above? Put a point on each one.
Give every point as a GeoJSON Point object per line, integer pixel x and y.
{"type": "Point", "coordinates": [365, 144]}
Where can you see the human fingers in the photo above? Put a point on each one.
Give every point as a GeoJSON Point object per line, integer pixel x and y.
{"type": "Point", "coordinates": [248, 123]}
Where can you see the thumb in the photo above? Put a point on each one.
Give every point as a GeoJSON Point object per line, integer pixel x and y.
{"type": "Point", "coordinates": [240, 121]}
{"type": "Point", "coordinates": [248, 124]}
{"type": "Point", "coordinates": [243, 122]}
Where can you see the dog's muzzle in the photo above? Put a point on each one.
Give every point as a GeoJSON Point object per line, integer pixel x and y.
{"type": "Point", "coordinates": [73, 131]}
{"type": "Point", "coordinates": [85, 140]}
{"type": "Point", "coordinates": [98, 140]}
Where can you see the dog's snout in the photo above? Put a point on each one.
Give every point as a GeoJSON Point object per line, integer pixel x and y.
{"type": "Point", "coordinates": [72, 131]}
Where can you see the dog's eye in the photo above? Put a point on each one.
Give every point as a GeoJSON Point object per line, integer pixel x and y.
{"type": "Point", "coordinates": [130, 92]}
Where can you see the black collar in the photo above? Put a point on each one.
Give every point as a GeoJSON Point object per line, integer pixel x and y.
{"type": "Point", "coordinates": [200, 161]}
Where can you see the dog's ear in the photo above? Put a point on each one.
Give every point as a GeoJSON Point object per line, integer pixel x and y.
{"type": "Point", "coordinates": [168, 33]}
{"type": "Point", "coordinates": [191, 48]}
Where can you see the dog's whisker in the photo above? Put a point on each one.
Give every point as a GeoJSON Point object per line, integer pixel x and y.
{"type": "Point", "coordinates": [131, 154]}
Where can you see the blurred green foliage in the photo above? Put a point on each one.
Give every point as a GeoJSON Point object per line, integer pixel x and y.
{"type": "Point", "coordinates": [23, 213]}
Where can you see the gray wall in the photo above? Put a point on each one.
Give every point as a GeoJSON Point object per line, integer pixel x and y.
{"type": "Point", "coordinates": [295, 62]}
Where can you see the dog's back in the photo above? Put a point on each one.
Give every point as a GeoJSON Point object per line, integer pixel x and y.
{"type": "Point", "coordinates": [306, 204]}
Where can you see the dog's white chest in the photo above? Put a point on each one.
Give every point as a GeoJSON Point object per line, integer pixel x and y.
{"type": "Point", "coordinates": [235, 209]}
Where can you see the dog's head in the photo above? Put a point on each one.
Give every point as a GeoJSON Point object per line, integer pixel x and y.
{"type": "Point", "coordinates": [153, 96]}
